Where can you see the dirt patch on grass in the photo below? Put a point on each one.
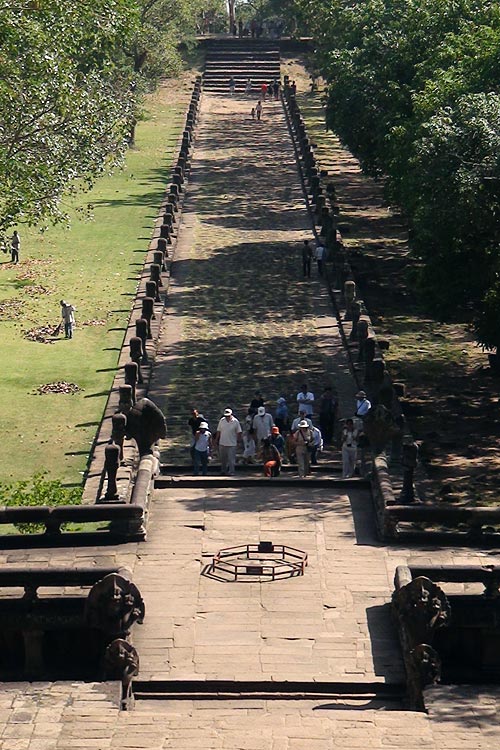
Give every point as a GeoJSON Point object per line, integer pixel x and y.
{"type": "Point", "coordinates": [452, 397]}
{"type": "Point", "coordinates": [11, 309]}
{"type": "Point", "coordinates": [60, 387]}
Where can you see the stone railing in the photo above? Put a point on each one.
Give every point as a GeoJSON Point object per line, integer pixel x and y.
{"type": "Point", "coordinates": [75, 635]}
{"type": "Point", "coordinates": [442, 633]}
{"type": "Point", "coordinates": [386, 427]}
{"type": "Point", "coordinates": [124, 523]}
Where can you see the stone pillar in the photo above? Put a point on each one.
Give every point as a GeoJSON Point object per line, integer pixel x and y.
{"type": "Point", "coordinates": [34, 666]}
{"type": "Point", "coordinates": [125, 398]}
{"type": "Point", "coordinates": [119, 422]}
{"type": "Point", "coordinates": [141, 330]}
{"type": "Point", "coordinates": [409, 461]}
{"type": "Point", "coordinates": [362, 339]}
{"type": "Point", "coordinates": [350, 296]}
{"type": "Point", "coordinates": [132, 374]}
{"type": "Point", "coordinates": [111, 463]}
{"type": "Point", "coordinates": [155, 275]}
{"type": "Point", "coordinates": [135, 345]}
{"type": "Point", "coordinates": [148, 306]}
{"type": "Point", "coordinates": [356, 314]}
{"type": "Point", "coordinates": [159, 259]}
{"type": "Point", "coordinates": [151, 291]}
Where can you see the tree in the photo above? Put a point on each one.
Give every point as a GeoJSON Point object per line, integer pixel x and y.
{"type": "Point", "coordinates": [66, 107]}
{"type": "Point", "coordinates": [163, 24]}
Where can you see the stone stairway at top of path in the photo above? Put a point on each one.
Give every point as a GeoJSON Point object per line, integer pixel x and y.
{"type": "Point", "coordinates": [257, 59]}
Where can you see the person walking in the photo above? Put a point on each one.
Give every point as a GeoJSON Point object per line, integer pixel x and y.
{"type": "Point", "coordinates": [232, 85]}
{"type": "Point", "coordinates": [201, 449]}
{"type": "Point", "coordinates": [248, 87]}
{"type": "Point", "coordinates": [249, 448]}
{"type": "Point", "coordinates": [349, 449]}
{"type": "Point", "coordinates": [258, 110]}
{"type": "Point", "coordinates": [281, 414]}
{"type": "Point", "coordinates": [227, 437]}
{"type": "Point", "coordinates": [263, 91]}
{"type": "Point", "coordinates": [271, 459]}
{"type": "Point", "coordinates": [328, 407]}
{"type": "Point", "coordinates": [194, 423]}
{"type": "Point", "coordinates": [68, 316]}
{"type": "Point", "coordinates": [303, 443]}
{"type": "Point", "coordinates": [305, 400]}
{"type": "Point", "coordinates": [302, 416]}
{"type": "Point", "coordinates": [15, 247]}
{"type": "Point", "coordinates": [307, 254]}
{"type": "Point", "coordinates": [320, 254]}
{"type": "Point", "coordinates": [317, 445]}
{"type": "Point", "coordinates": [262, 425]}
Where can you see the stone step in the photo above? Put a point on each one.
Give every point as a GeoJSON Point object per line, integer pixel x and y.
{"type": "Point", "coordinates": [171, 481]}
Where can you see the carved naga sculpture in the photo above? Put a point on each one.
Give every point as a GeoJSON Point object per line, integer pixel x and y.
{"type": "Point", "coordinates": [113, 605]}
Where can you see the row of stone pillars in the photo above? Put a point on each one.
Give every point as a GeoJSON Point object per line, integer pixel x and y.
{"type": "Point", "coordinates": [387, 420]}
{"type": "Point", "coordinates": [157, 267]}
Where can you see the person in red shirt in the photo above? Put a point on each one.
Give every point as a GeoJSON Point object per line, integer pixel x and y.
{"type": "Point", "coordinates": [263, 89]}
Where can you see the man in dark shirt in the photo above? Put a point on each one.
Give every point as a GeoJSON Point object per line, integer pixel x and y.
{"type": "Point", "coordinates": [307, 253]}
{"type": "Point", "coordinates": [327, 411]}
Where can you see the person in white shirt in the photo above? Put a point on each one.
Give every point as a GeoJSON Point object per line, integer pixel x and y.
{"type": "Point", "coordinates": [320, 255]}
{"type": "Point", "coordinates": [349, 449]}
{"type": "Point", "coordinates": [363, 406]}
{"type": "Point", "coordinates": [305, 400]}
{"type": "Point", "coordinates": [261, 425]}
{"type": "Point", "coordinates": [227, 437]}
{"type": "Point", "coordinates": [317, 446]}
{"type": "Point", "coordinates": [201, 449]}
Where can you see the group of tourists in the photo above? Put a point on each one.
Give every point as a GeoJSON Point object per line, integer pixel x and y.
{"type": "Point", "coordinates": [272, 439]}
{"type": "Point", "coordinates": [275, 439]}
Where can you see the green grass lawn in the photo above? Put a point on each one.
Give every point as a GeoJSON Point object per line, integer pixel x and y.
{"type": "Point", "coordinates": [95, 265]}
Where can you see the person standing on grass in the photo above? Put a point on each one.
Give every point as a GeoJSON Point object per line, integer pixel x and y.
{"type": "Point", "coordinates": [68, 316]}
{"type": "Point", "coordinates": [15, 247]}
{"type": "Point", "coordinates": [227, 437]}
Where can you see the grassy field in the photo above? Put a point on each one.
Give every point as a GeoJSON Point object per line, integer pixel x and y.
{"type": "Point", "coordinates": [94, 264]}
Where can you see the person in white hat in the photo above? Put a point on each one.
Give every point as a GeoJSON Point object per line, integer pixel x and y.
{"type": "Point", "coordinates": [262, 425]}
{"type": "Point", "coordinates": [363, 406]}
{"type": "Point", "coordinates": [227, 437]}
{"type": "Point", "coordinates": [303, 438]}
{"type": "Point", "coordinates": [201, 448]}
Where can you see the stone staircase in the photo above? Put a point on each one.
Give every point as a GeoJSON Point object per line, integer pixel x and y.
{"type": "Point", "coordinates": [257, 59]}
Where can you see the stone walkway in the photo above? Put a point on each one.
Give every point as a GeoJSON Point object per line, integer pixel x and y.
{"type": "Point", "coordinates": [240, 315]}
